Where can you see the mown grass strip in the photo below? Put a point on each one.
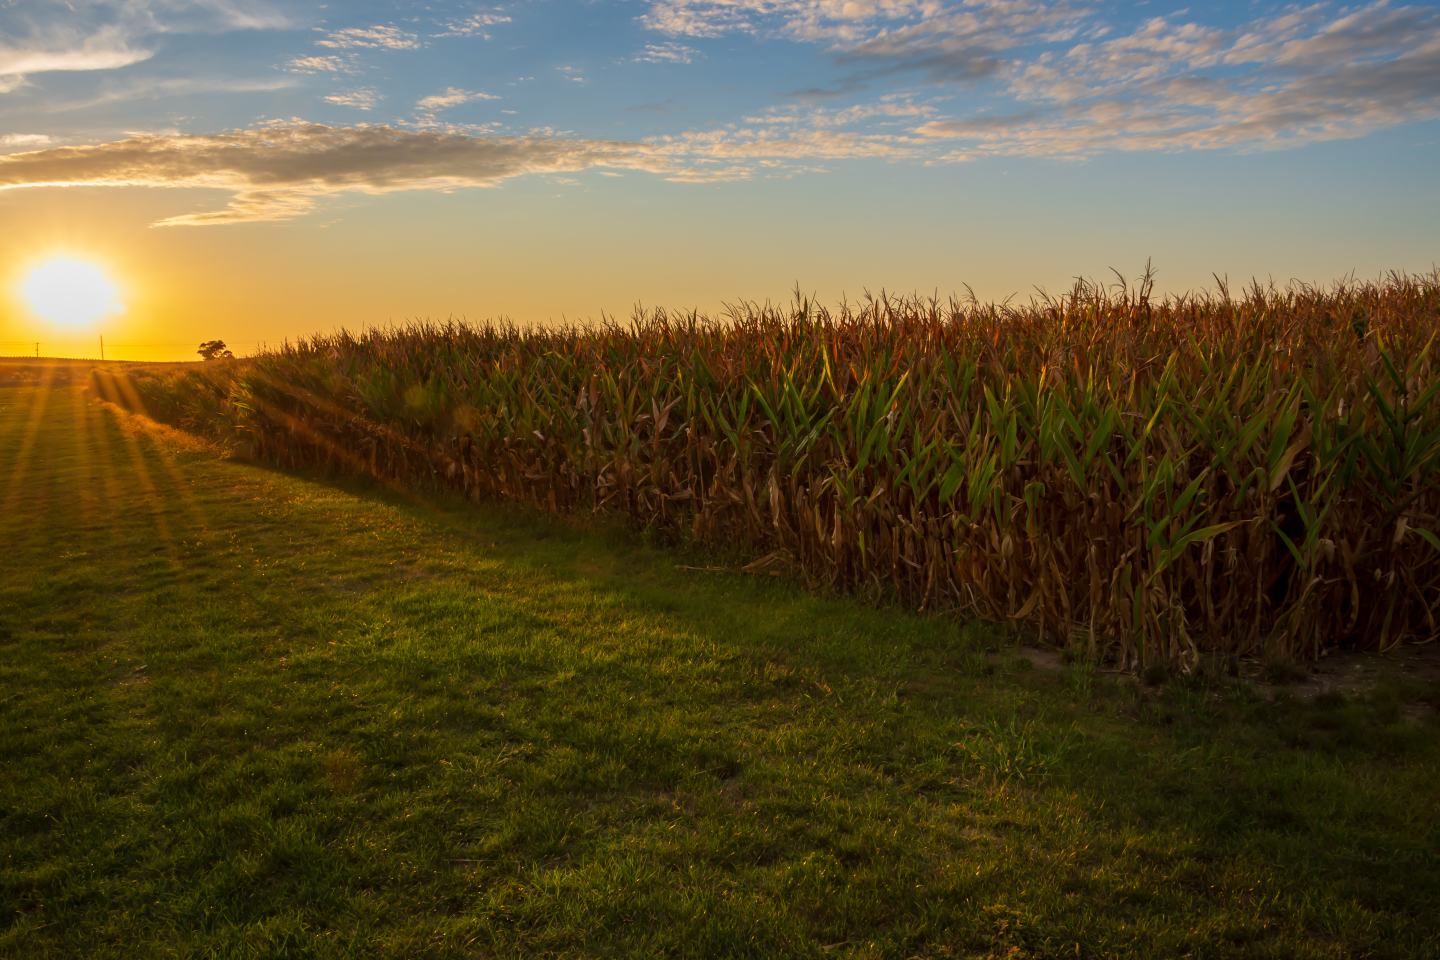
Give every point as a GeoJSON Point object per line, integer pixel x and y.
{"type": "Point", "coordinates": [244, 713]}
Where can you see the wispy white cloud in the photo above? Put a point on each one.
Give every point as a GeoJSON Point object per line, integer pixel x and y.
{"type": "Point", "coordinates": [208, 16]}
{"type": "Point", "coordinates": [696, 148]}
{"type": "Point", "coordinates": [141, 88]}
{"type": "Point", "coordinates": [379, 37]}
{"type": "Point", "coordinates": [668, 52]}
{"type": "Point", "coordinates": [279, 171]}
{"type": "Point", "coordinates": [320, 64]}
{"type": "Point", "coordinates": [427, 110]}
{"type": "Point", "coordinates": [364, 98]}
{"type": "Point", "coordinates": [475, 25]}
{"type": "Point", "coordinates": [105, 35]}
{"type": "Point", "coordinates": [24, 141]}
{"type": "Point", "coordinates": [1316, 75]}
{"type": "Point", "coordinates": [963, 44]}
{"type": "Point", "coordinates": [892, 109]}
{"type": "Point", "coordinates": [852, 22]}
{"type": "Point", "coordinates": [1078, 88]}
{"type": "Point", "coordinates": [877, 40]}
{"type": "Point", "coordinates": [451, 97]}
{"type": "Point", "coordinates": [63, 49]}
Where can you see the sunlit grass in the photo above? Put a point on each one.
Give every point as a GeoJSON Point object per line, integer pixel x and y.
{"type": "Point", "coordinates": [120, 390]}
{"type": "Point", "coordinates": [30, 432]}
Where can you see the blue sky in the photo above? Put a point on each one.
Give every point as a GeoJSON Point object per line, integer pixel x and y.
{"type": "Point", "coordinates": [1265, 138]}
{"type": "Point", "coordinates": [712, 90]}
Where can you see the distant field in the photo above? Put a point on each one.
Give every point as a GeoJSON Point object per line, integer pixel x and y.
{"type": "Point", "coordinates": [1182, 483]}
{"type": "Point", "coordinates": [41, 371]}
{"type": "Point", "coordinates": [244, 713]}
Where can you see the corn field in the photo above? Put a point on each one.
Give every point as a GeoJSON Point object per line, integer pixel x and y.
{"type": "Point", "coordinates": [1139, 480]}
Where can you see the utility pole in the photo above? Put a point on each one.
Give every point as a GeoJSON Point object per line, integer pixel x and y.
{"type": "Point", "coordinates": [102, 346]}
{"type": "Point", "coordinates": [37, 349]}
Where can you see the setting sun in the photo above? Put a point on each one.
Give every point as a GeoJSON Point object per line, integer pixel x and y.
{"type": "Point", "coordinates": [70, 291]}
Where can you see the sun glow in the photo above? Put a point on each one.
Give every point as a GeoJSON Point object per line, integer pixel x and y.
{"type": "Point", "coordinates": [71, 291]}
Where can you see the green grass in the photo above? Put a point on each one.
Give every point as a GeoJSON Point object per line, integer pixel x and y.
{"type": "Point", "coordinates": [248, 714]}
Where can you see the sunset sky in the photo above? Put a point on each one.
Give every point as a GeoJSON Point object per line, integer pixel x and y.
{"type": "Point", "coordinates": [254, 171]}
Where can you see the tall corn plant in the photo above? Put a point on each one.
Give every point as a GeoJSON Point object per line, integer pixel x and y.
{"type": "Point", "coordinates": [1141, 480]}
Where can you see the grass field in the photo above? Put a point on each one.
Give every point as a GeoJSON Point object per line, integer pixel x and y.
{"type": "Point", "coordinates": [246, 714]}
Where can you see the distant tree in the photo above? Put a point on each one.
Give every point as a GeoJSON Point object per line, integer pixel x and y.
{"type": "Point", "coordinates": [214, 350]}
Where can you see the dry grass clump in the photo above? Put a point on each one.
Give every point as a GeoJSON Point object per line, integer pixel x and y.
{"type": "Point", "coordinates": [1139, 479]}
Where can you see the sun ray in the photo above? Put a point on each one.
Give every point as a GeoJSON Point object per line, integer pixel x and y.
{"type": "Point", "coordinates": [163, 453]}
{"type": "Point", "coordinates": [154, 503]}
{"type": "Point", "coordinates": [102, 448]}
{"type": "Point", "coordinates": [39, 401]}
{"type": "Point", "coordinates": [83, 440]}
